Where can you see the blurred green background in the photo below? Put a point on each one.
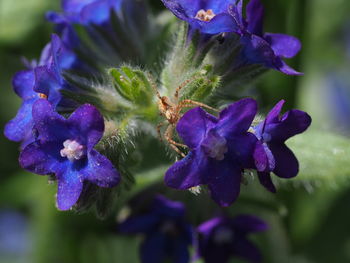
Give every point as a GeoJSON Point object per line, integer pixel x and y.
{"type": "Point", "coordinates": [309, 223]}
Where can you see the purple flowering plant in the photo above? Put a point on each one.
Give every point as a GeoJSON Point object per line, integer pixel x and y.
{"type": "Point", "coordinates": [222, 238]}
{"type": "Point", "coordinates": [112, 113]}
{"type": "Point", "coordinates": [167, 234]}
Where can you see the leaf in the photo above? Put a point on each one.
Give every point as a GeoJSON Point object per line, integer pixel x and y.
{"type": "Point", "coordinates": [324, 158]}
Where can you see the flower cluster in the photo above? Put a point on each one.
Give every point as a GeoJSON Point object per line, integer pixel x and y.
{"type": "Point", "coordinates": [110, 65]}
{"type": "Point", "coordinates": [226, 16]}
{"type": "Point", "coordinates": [168, 235]}
{"type": "Point", "coordinates": [221, 148]}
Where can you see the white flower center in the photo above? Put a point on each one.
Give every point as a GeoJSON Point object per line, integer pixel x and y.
{"type": "Point", "coordinates": [72, 150]}
{"type": "Point", "coordinates": [205, 15]}
{"type": "Point", "coordinates": [223, 235]}
{"type": "Point", "coordinates": [196, 190]}
{"type": "Point", "coordinates": [215, 146]}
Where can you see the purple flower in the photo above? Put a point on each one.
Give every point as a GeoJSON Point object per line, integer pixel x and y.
{"type": "Point", "coordinates": [264, 48]}
{"type": "Point", "coordinates": [222, 238]}
{"type": "Point", "coordinates": [209, 17]}
{"type": "Point", "coordinates": [167, 234]}
{"type": "Point", "coordinates": [64, 147]}
{"type": "Point", "coordinates": [271, 153]}
{"type": "Point", "coordinates": [220, 149]}
{"type": "Point", "coordinates": [30, 84]}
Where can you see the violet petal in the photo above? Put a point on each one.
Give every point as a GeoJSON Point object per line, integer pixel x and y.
{"type": "Point", "coordinates": [100, 171]}
{"type": "Point", "coordinates": [283, 45]}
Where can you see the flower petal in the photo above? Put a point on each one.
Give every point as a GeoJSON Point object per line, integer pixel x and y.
{"type": "Point", "coordinates": [280, 65]}
{"type": "Point", "coordinates": [180, 253]}
{"type": "Point", "coordinates": [283, 45]}
{"type": "Point", "coordinates": [241, 148]}
{"type": "Point", "coordinates": [258, 51]}
{"type": "Point", "coordinates": [47, 83]}
{"type": "Point", "coordinates": [100, 171]}
{"type": "Point", "coordinates": [168, 208]}
{"type": "Point", "coordinates": [237, 118]}
{"type": "Point", "coordinates": [69, 187]}
{"type": "Point", "coordinates": [264, 160]}
{"type": "Point", "coordinates": [292, 123]}
{"type": "Point", "coordinates": [194, 125]}
{"type": "Point", "coordinates": [287, 165]}
{"type": "Point", "coordinates": [188, 172]}
{"type": "Point", "coordinates": [224, 181]}
{"type": "Point", "coordinates": [207, 227]}
{"type": "Point", "coordinates": [274, 114]}
{"type": "Point", "coordinates": [218, 6]}
{"type": "Point", "coordinates": [236, 11]}
{"type": "Point", "coordinates": [23, 84]}
{"type": "Point", "coordinates": [255, 17]}
{"type": "Point", "coordinates": [20, 127]}
{"type": "Point", "coordinates": [36, 158]}
{"type": "Point", "coordinates": [62, 57]}
{"type": "Point", "coordinates": [266, 181]}
{"type": "Point", "coordinates": [183, 9]}
{"type": "Point", "coordinates": [99, 11]}
{"type": "Point", "coordinates": [221, 23]}
{"type": "Point", "coordinates": [139, 224]}
{"type": "Point", "coordinates": [74, 6]}
{"type": "Point", "coordinates": [88, 124]}
{"type": "Point", "coordinates": [46, 55]}
{"type": "Point", "coordinates": [50, 125]}
{"type": "Point", "coordinates": [153, 248]}
{"type": "Point", "coordinates": [248, 223]}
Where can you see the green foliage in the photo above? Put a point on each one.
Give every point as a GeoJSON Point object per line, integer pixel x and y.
{"type": "Point", "coordinates": [324, 158]}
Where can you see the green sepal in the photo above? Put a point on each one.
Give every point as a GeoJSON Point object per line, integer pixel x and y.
{"type": "Point", "coordinates": [203, 85]}
{"type": "Point", "coordinates": [132, 85]}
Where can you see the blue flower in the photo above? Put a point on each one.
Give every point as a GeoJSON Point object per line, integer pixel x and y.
{"type": "Point", "coordinates": [64, 147]}
{"type": "Point", "coordinates": [271, 153]}
{"type": "Point", "coordinates": [222, 238]}
{"type": "Point", "coordinates": [33, 83]}
{"type": "Point", "coordinates": [85, 12]}
{"type": "Point", "coordinates": [267, 49]}
{"type": "Point", "coordinates": [209, 17]}
{"type": "Point", "coordinates": [220, 148]}
{"type": "Point", "coordinates": [167, 234]}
